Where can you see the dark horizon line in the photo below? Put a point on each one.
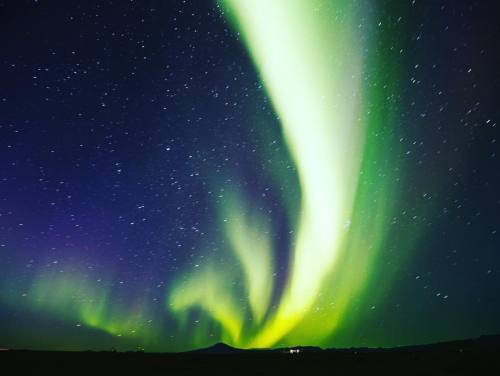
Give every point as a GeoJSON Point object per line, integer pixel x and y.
{"type": "Point", "coordinates": [213, 349]}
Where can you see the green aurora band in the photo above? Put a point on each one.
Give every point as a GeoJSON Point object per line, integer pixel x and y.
{"type": "Point", "coordinates": [72, 297]}
{"type": "Point", "coordinates": [311, 56]}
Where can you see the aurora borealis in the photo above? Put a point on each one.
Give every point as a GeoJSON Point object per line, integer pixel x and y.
{"type": "Point", "coordinates": [260, 173]}
{"type": "Point", "coordinates": [314, 85]}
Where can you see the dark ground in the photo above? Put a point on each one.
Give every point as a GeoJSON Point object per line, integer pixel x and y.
{"type": "Point", "coordinates": [470, 357]}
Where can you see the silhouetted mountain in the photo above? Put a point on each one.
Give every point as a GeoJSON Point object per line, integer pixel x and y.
{"type": "Point", "coordinates": [218, 348]}
{"type": "Point", "coordinates": [222, 348]}
{"type": "Point", "coordinates": [480, 342]}
{"type": "Point", "coordinates": [465, 357]}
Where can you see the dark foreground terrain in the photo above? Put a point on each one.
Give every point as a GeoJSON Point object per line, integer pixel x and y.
{"type": "Point", "coordinates": [469, 357]}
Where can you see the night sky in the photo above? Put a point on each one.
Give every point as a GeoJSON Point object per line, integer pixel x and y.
{"type": "Point", "coordinates": [263, 173]}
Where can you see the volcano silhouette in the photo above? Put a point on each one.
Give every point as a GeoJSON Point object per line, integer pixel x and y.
{"type": "Point", "coordinates": [219, 348]}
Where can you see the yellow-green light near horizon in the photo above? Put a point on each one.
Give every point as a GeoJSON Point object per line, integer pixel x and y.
{"type": "Point", "coordinates": [73, 298]}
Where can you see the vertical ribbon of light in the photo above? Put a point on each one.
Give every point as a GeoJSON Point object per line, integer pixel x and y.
{"type": "Point", "coordinates": [309, 58]}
